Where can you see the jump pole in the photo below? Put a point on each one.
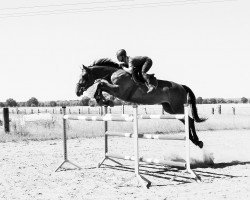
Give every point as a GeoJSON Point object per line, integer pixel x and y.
{"type": "Point", "coordinates": [143, 181]}
{"type": "Point", "coordinates": [65, 144]}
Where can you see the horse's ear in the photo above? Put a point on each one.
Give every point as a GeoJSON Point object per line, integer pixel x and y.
{"type": "Point", "coordinates": [84, 67]}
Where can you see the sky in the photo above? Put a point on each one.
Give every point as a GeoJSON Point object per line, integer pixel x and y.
{"type": "Point", "coordinates": [204, 44]}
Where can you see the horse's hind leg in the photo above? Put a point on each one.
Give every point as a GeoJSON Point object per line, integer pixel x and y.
{"type": "Point", "coordinates": [192, 133]}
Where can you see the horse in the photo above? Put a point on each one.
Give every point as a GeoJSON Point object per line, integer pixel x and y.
{"type": "Point", "coordinates": [111, 78]}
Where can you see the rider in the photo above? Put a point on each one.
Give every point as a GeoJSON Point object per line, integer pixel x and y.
{"type": "Point", "coordinates": [141, 63]}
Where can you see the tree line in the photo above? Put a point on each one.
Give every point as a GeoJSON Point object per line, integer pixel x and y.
{"type": "Point", "coordinates": [33, 102]}
{"type": "Point", "coordinates": [86, 101]}
{"type": "Point", "coordinates": [200, 100]}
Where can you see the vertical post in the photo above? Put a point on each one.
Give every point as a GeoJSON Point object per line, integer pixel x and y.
{"type": "Point", "coordinates": [64, 134]}
{"type": "Point", "coordinates": [212, 111]}
{"type": "Point", "coordinates": [101, 110]}
{"type": "Point", "coordinates": [144, 182]}
{"type": "Point", "coordinates": [65, 142]}
{"type": "Point", "coordinates": [135, 128]}
{"type": "Point", "coordinates": [6, 120]}
{"type": "Point", "coordinates": [105, 130]}
{"type": "Point", "coordinates": [106, 141]}
{"type": "Point", "coordinates": [219, 109]}
{"type": "Point", "coordinates": [186, 109]}
{"type": "Point", "coordinates": [233, 110]}
{"type": "Point", "coordinates": [123, 109]}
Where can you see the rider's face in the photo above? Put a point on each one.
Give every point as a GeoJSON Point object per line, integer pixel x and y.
{"type": "Point", "coordinates": [122, 58]}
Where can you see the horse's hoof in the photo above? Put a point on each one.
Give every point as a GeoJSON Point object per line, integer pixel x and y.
{"type": "Point", "coordinates": [108, 103]}
{"type": "Point", "coordinates": [111, 104]}
{"type": "Point", "coordinates": [200, 144]}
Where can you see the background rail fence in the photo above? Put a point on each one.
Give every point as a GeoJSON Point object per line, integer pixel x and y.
{"type": "Point", "coordinates": [208, 109]}
{"type": "Point", "coordinates": [135, 135]}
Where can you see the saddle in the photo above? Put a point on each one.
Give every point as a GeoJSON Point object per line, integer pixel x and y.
{"type": "Point", "coordinates": [139, 80]}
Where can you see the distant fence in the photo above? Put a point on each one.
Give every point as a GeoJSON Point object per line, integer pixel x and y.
{"type": "Point", "coordinates": [230, 110]}
{"type": "Point", "coordinates": [123, 109]}
{"type": "Point", "coordinates": [203, 109]}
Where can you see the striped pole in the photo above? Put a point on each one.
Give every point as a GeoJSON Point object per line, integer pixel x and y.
{"type": "Point", "coordinates": [107, 117]}
{"type": "Point", "coordinates": [177, 116]}
{"type": "Point", "coordinates": [148, 136]}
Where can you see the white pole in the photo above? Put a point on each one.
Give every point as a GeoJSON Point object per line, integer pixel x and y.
{"type": "Point", "coordinates": [186, 110]}
{"type": "Point", "coordinates": [135, 127]}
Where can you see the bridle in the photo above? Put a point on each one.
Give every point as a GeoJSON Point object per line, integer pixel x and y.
{"type": "Point", "coordinates": [90, 80]}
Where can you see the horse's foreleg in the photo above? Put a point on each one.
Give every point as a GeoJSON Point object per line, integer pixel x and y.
{"type": "Point", "coordinates": [106, 87]}
{"type": "Point", "coordinates": [101, 100]}
{"type": "Point", "coordinates": [99, 96]}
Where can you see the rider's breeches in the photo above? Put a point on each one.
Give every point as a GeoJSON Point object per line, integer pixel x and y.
{"type": "Point", "coordinates": [146, 67]}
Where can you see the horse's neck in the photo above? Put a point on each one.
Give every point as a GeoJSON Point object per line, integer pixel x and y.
{"type": "Point", "coordinates": [102, 72]}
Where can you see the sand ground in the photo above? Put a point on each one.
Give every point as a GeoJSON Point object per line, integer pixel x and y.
{"type": "Point", "coordinates": [27, 169]}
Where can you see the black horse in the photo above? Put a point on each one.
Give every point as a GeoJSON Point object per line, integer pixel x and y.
{"type": "Point", "coordinates": [110, 78]}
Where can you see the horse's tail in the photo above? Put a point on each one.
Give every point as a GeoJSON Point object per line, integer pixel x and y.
{"type": "Point", "coordinates": [192, 101]}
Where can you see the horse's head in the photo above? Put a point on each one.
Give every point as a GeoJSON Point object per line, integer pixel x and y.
{"type": "Point", "coordinates": [100, 69]}
{"type": "Point", "coordinates": [85, 81]}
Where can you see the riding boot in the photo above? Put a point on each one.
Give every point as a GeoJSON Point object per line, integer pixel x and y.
{"type": "Point", "coordinates": [150, 88]}
{"type": "Point", "coordinates": [149, 85]}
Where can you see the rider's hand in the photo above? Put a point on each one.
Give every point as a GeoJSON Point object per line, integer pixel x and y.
{"type": "Point", "coordinates": [122, 64]}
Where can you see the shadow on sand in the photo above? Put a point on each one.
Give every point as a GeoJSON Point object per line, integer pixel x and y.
{"type": "Point", "coordinates": [218, 165]}
{"type": "Point", "coordinates": [178, 175]}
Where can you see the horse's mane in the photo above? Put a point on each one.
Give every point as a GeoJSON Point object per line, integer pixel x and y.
{"type": "Point", "coordinates": [106, 62]}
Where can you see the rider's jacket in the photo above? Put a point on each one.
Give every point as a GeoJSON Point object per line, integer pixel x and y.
{"type": "Point", "coordinates": [138, 61]}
